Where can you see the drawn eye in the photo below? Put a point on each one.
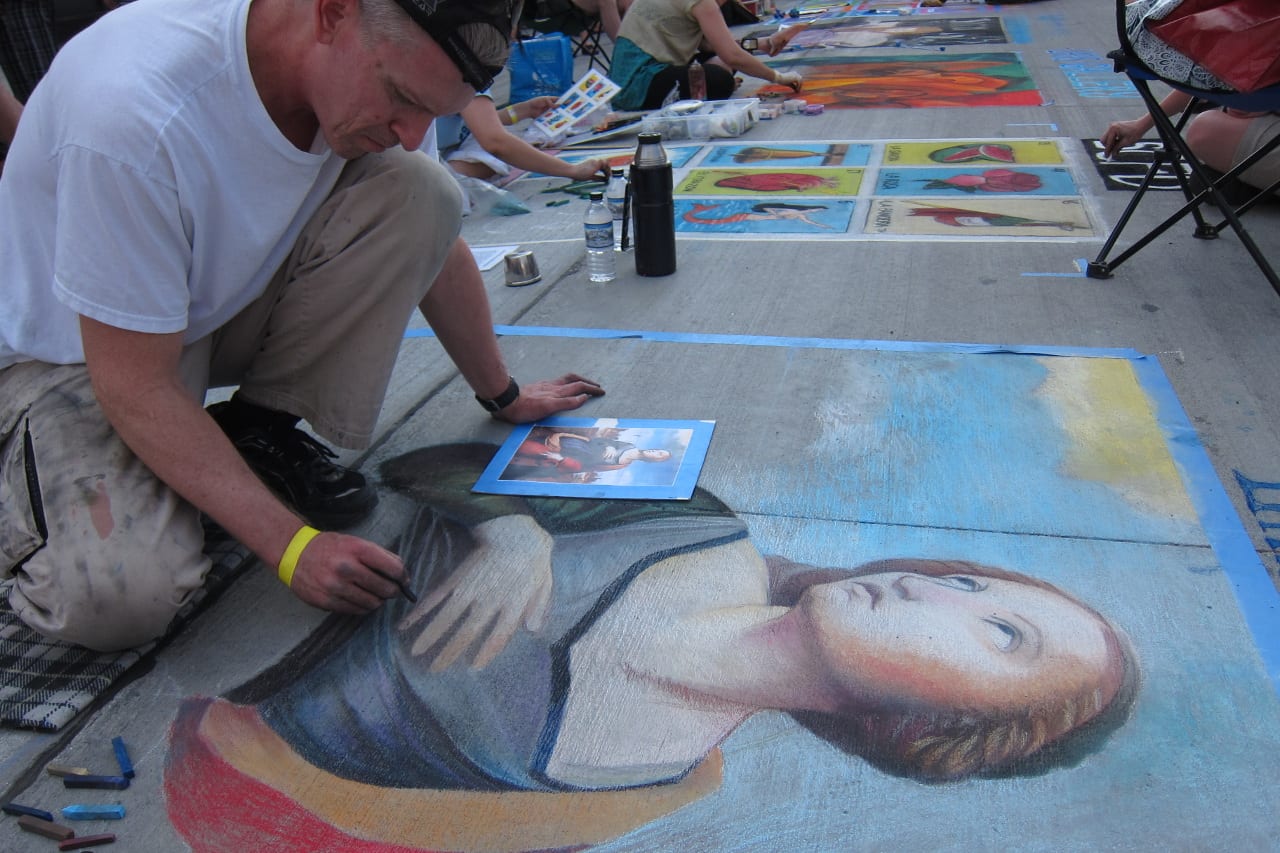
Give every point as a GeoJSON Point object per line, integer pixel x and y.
{"type": "Point", "coordinates": [1005, 636]}
{"type": "Point", "coordinates": [962, 582]}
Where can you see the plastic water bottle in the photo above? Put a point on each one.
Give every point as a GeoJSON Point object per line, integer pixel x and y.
{"type": "Point", "coordinates": [598, 226]}
{"type": "Point", "coordinates": [697, 81]}
{"type": "Point", "coordinates": [653, 208]}
{"type": "Point", "coordinates": [616, 197]}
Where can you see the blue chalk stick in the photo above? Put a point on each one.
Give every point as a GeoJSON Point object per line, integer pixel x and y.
{"type": "Point", "coordinates": [20, 809]}
{"type": "Point", "coordinates": [95, 812]}
{"type": "Point", "coordinates": [117, 782]}
{"type": "Point", "coordinates": [122, 757]}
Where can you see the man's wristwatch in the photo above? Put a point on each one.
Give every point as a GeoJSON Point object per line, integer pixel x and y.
{"type": "Point", "coordinates": [500, 402]}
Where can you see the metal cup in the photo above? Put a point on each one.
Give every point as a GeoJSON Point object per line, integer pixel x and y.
{"type": "Point", "coordinates": [522, 269]}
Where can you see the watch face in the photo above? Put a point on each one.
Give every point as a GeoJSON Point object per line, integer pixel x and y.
{"type": "Point", "coordinates": [750, 44]}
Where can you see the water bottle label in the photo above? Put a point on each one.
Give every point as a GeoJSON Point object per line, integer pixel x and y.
{"type": "Point", "coordinates": [599, 236]}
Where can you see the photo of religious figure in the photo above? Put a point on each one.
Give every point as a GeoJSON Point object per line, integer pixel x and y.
{"type": "Point", "coordinates": [601, 457]}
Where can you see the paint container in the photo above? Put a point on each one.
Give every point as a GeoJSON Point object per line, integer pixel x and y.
{"type": "Point", "coordinates": [813, 109]}
{"type": "Point", "coordinates": [794, 106]}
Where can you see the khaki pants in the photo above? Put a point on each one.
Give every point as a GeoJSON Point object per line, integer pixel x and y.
{"type": "Point", "coordinates": [102, 553]}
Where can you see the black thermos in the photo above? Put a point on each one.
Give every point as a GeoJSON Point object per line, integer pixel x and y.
{"type": "Point", "coordinates": [653, 210]}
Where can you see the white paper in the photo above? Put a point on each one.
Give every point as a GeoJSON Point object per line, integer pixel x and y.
{"type": "Point", "coordinates": [487, 257]}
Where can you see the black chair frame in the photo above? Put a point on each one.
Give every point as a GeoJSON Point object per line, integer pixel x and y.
{"type": "Point", "coordinates": [1175, 151]}
{"type": "Point", "coordinates": [562, 16]}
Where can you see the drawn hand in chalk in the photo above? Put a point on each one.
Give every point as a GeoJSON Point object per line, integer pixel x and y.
{"type": "Point", "coordinates": [504, 584]}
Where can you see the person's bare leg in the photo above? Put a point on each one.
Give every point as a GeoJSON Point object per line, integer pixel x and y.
{"type": "Point", "coordinates": [1214, 136]}
{"type": "Point", "coordinates": [472, 169]}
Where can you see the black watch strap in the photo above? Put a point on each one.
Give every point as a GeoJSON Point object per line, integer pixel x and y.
{"type": "Point", "coordinates": [500, 402]}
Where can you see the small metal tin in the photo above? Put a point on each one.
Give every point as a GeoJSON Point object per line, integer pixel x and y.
{"type": "Point", "coordinates": [522, 269]}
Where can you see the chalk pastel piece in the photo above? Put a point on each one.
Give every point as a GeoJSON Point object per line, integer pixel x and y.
{"type": "Point", "coordinates": [20, 809]}
{"type": "Point", "coordinates": [84, 841]}
{"type": "Point", "coordinates": [118, 783]}
{"type": "Point", "coordinates": [122, 757]}
{"type": "Point", "coordinates": [109, 811]}
{"type": "Point", "coordinates": [64, 770]}
{"type": "Point", "coordinates": [813, 109]}
{"type": "Point", "coordinates": [47, 828]}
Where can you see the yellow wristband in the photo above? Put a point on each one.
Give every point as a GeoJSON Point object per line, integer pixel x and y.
{"type": "Point", "coordinates": [296, 546]}
{"type": "Point", "coordinates": [513, 115]}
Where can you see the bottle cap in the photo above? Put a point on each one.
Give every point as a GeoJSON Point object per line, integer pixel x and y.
{"type": "Point", "coordinates": [597, 195]}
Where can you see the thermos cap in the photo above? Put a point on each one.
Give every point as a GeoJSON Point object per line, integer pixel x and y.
{"type": "Point", "coordinates": [650, 151]}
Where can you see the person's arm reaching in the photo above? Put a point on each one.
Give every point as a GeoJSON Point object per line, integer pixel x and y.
{"type": "Point", "coordinates": [136, 381]}
{"type": "Point", "coordinates": [715, 33]}
{"type": "Point", "coordinates": [1121, 134]}
{"type": "Point", "coordinates": [457, 308]}
{"type": "Point", "coordinates": [482, 120]}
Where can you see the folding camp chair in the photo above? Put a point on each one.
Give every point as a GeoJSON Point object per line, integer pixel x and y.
{"type": "Point", "coordinates": [563, 16]}
{"type": "Point", "coordinates": [1175, 150]}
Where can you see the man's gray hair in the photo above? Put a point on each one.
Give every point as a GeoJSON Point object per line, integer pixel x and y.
{"type": "Point", "coordinates": [385, 20]}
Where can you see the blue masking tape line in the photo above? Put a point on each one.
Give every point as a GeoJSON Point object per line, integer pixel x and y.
{"type": "Point", "coordinates": [1255, 593]}
{"type": "Point", "coordinates": [1019, 32]}
{"type": "Point", "coordinates": [801, 343]}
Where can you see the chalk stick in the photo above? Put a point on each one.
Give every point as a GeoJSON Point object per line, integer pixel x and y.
{"type": "Point", "coordinates": [110, 811]}
{"type": "Point", "coordinates": [20, 809]}
{"type": "Point", "coordinates": [65, 770]}
{"type": "Point", "coordinates": [122, 757]}
{"type": "Point", "coordinates": [116, 782]}
{"type": "Point", "coordinates": [86, 841]}
{"type": "Point", "coordinates": [47, 828]}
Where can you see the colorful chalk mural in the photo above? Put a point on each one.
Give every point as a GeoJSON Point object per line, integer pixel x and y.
{"type": "Point", "coordinates": [910, 81]}
{"type": "Point", "coordinates": [958, 189]}
{"type": "Point", "coordinates": [920, 605]}
{"type": "Point", "coordinates": [889, 31]}
{"type": "Point", "coordinates": [880, 189]}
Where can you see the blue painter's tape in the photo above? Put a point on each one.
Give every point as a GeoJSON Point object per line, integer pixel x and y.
{"type": "Point", "coordinates": [1255, 593]}
{"type": "Point", "coordinates": [19, 809]}
{"type": "Point", "coordinates": [122, 757]}
{"type": "Point", "coordinates": [797, 343]}
{"type": "Point", "coordinates": [1019, 32]}
{"type": "Point", "coordinates": [113, 811]}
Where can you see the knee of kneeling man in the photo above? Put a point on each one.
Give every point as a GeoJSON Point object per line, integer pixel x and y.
{"type": "Point", "coordinates": [120, 627]}
{"type": "Point", "coordinates": [101, 624]}
{"type": "Point", "coordinates": [424, 185]}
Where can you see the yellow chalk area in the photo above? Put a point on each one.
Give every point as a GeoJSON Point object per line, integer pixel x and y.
{"type": "Point", "coordinates": [1115, 438]}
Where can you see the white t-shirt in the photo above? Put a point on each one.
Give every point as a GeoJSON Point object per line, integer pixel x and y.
{"type": "Point", "coordinates": [147, 187]}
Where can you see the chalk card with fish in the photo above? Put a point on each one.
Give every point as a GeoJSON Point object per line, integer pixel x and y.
{"type": "Point", "coordinates": [789, 154]}
{"type": "Point", "coordinates": [778, 181]}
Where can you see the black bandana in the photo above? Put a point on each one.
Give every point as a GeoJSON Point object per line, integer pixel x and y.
{"type": "Point", "coordinates": [475, 34]}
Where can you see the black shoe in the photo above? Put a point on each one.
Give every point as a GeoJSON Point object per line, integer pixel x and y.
{"type": "Point", "coordinates": [299, 469]}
